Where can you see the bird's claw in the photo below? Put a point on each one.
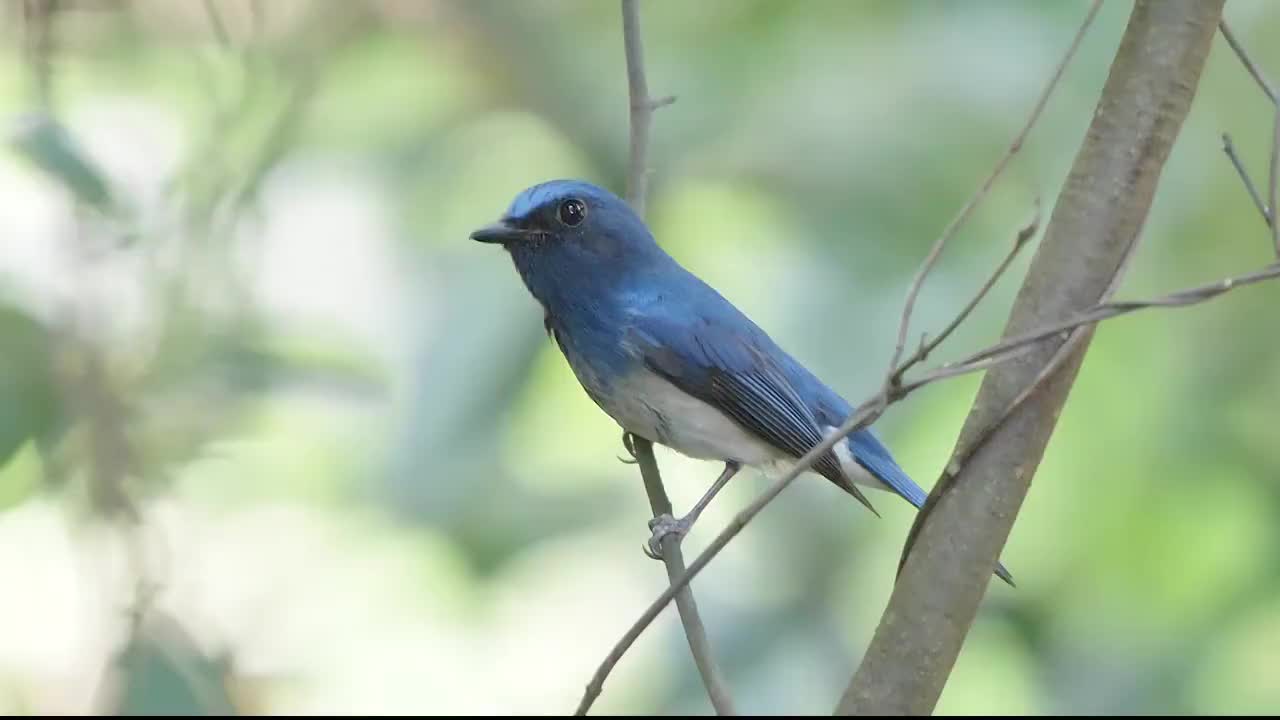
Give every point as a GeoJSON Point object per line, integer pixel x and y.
{"type": "Point", "coordinates": [629, 443]}
{"type": "Point", "coordinates": [662, 526]}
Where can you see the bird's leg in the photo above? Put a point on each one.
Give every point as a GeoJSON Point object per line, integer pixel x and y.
{"type": "Point", "coordinates": [664, 525]}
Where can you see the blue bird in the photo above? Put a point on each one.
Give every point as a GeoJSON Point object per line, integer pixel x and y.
{"type": "Point", "coordinates": [668, 357]}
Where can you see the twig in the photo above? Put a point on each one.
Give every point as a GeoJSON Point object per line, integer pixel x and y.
{"type": "Point", "coordinates": [1190, 296]}
{"type": "Point", "coordinates": [641, 449]}
{"type": "Point", "coordinates": [932, 258]}
{"type": "Point", "coordinates": [1247, 61]}
{"type": "Point", "coordinates": [1273, 196]}
{"type": "Point", "coordinates": [1020, 240]}
{"type": "Point", "coordinates": [641, 107]}
{"type": "Point", "coordinates": [1275, 170]}
{"type": "Point", "coordinates": [1229, 148]}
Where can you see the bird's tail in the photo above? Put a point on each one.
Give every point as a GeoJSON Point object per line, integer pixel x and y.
{"type": "Point", "coordinates": [872, 455]}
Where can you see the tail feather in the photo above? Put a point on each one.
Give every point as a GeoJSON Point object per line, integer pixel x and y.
{"type": "Point", "coordinates": [871, 454]}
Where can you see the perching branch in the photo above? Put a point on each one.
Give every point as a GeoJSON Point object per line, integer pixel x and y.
{"type": "Point", "coordinates": [673, 559]}
{"type": "Point", "coordinates": [1094, 227]}
{"type": "Point", "coordinates": [641, 450]}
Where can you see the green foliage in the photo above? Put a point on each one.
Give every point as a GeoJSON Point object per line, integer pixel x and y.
{"type": "Point", "coordinates": [30, 406]}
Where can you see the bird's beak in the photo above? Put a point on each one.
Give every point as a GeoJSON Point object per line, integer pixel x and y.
{"type": "Point", "coordinates": [499, 232]}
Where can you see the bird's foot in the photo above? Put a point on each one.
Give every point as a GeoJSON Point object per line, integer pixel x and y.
{"type": "Point", "coordinates": [629, 443]}
{"type": "Point", "coordinates": [662, 526]}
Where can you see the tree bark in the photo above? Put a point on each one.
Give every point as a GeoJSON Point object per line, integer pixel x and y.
{"type": "Point", "coordinates": [1096, 222]}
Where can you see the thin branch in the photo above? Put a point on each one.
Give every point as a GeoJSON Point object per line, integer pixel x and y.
{"type": "Point", "coordinates": [932, 258]}
{"type": "Point", "coordinates": [1247, 61]}
{"type": "Point", "coordinates": [1190, 296]}
{"type": "Point", "coordinates": [1229, 148]}
{"type": "Point", "coordinates": [1275, 170]}
{"type": "Point", "coordinates": [1268, 208]}
{"type": "Point", "coordinates": [1020, 240]}
{"type": "Point", "coordinates": [215, 22]}
{"type": "Point", "coordinates": [641, 449]}
{"type": "Point", "coordinates": [641, 107]}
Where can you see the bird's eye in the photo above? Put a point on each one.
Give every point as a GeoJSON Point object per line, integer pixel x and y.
{"type": "Point", "coordinates": [572, 212]}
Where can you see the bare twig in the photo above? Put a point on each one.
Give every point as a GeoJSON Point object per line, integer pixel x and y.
{"type": "Point", "coordinates": [1229, 148]}
{"type": "Point", "coordinates": [1267, 208]}
{"type": "Point", "coordinates": [1190, 296]}
{"type": "Point", "coordinates": [1275, 170]}
{"type": "Point", "coordinates": [1247, 61]}
{"type": "Point", "coordinates": [641, 449]}
{"type": "Point", "coordinates": [932, 258]}
{"type": "Point", "coordinates": [641, 107]}
{"type": "Point", "coordinates": [1020, 240]}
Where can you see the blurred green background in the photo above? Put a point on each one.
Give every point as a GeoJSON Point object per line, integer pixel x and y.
{"type": "Point", "coordinates": [276, 437]}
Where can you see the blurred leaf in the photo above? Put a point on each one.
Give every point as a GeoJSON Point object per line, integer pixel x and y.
{"type": "Point", "coordinates": [20, 478]}
{"type": "Point", "coordinates": [162, 672]}
{"type": "Point", "coordinates": [29, 402]}
{"type": "Point", "coordinates": [48, 145]}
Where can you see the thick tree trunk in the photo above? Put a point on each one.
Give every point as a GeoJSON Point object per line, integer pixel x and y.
{"type": "Point", "coordinates": [1096, 221]}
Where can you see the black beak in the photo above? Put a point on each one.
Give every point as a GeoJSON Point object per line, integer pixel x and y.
{"type": "Point", "coordinates": [499, 232]}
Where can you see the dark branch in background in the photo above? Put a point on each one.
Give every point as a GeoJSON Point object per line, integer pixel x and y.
{"type": "Point", "coordinates": [38, 23]}
{"type": "Point", "coordinates": [641, 450]}
{"type": "Point", "coordinates": [1094, 228]}
{"type": "Point", "coordinates": [1267, 207]}
{"type": "Point", "coordinates": [94, 402]}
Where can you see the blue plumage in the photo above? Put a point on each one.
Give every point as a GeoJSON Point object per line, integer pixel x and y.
{"type": "Point", "coordinates": [668, 357]}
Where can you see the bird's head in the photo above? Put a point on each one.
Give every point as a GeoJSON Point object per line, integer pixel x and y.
{"type": "Point", "coordinates": [568, 232]}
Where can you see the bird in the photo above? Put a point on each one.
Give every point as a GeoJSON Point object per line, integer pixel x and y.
{"type": "Point", "coordinates": [669, 358]}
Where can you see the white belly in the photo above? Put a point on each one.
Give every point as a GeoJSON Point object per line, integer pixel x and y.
{"type": "Point", "coordinates": [650, 406]}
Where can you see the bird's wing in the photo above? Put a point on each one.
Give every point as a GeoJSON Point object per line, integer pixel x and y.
{"type": "Point", "coordinates": [733, 371]}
